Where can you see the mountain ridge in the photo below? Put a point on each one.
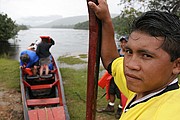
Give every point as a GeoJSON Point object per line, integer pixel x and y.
{"type": "Point", "coordinates": [55, 21]}
{"type": "Point", "coordinates": [68, 21]}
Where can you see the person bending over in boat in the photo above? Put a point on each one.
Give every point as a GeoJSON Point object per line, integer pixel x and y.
{"type": "Point", "coordinates": [44, 53]}
{"type": "Point", "coordinates": [29, 59]}
{"type": "Point", "coordinates": [148, 73]}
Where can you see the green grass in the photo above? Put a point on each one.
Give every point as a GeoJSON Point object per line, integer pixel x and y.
{"type": "Point", "coordinates": [70, 60]}
{"type": "Point", "coordinates": [83, 55]}
{"type": "Point", "coordinates": [9, 75]}
{"type": "Point", "coordinates": [75, 85]}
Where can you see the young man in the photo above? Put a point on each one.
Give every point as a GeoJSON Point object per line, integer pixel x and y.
{"type": "Point", "coordinates": [148, 74]}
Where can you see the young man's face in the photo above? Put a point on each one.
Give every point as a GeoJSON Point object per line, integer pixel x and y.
{"type": "Point", "coordinates": [147, 66]}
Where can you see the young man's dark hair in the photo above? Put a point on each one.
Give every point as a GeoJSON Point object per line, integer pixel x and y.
{"type": "Point", "coordinates": [24, 58]}
{"type": "Point", "coordinates": [161, 24]}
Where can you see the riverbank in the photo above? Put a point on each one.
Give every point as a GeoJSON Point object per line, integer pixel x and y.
{"type": "Point", "coordinates": [75, 87]}
{"type": "Point", "coordinates": [74, 81]}
{"type": "Point", "coordinates": [10, 96]}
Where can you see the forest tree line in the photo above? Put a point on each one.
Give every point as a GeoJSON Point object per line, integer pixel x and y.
{"type": "Point", "coordinates": [122, 23]}
{"type": "Point", "coordinates": [133, 9]}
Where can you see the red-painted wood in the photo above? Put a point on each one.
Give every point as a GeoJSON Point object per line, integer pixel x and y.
{"type": "Point", "coordinates": [54, 113]}
{"type": "Point", "coordinates": [42, 114]}
{"type": "Point", "coordinates": [45, 86]}
{"type": "Point", "coordinates": [49, 113]}
{"type": "Point", "coordinates": [58, 113]}
{"type": "Point", "coordinates": [42, 102]}
{"type": "Point", "coordinates": [93, 63]}
{"type": "Point", "coordinates": [60, 93]}
{"type": "Point", "coordinates": [37, 87]}
{"type": "Point", "coordinates": [33, 115]}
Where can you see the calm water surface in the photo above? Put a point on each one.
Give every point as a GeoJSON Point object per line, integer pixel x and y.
{"type": "Point", "coordinates": [67, 41]}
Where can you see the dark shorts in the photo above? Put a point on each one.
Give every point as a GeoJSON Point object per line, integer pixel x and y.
{"type": "Point", "coordinates": [35, 64]}
{"type": "Point", "coordinates": [113, 89]}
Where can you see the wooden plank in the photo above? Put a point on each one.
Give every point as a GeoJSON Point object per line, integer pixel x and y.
{"type": "Point", "coordinates": [58, 113]}
{"type": "Point", "coordinates": [33, 115]}
{"type": "Point", "coordinates": [49, 113]}
{"type": "Point", "coordinates": [42, 115]}
{"type": "Point", "coordinates": [44, 86]}
{"type": "Point", "coordinates": [37, 87]}
{"type": "Point", "coordinates": [42, 102]}
{"type": "Point", "coordinates": [54, 113]}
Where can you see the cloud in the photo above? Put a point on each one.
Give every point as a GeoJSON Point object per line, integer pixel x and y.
{"type": "Point", "coordinates": [66, 8]}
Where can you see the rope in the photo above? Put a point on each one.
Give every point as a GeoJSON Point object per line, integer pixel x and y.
{"type": "Point", "coordinates": [79, 96]}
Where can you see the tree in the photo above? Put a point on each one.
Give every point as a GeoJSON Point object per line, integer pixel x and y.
{"type": "Point", "coordinates": [122, 23]}
{"type": "Point", "coordinates": [8, 28]}
{"type": "Point", "coordinates": [134, 8]}
{"type": "Point", "coordinates": [171, 6]}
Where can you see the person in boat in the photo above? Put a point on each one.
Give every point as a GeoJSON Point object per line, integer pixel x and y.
{"type": "Point", "coordinates": [147, 75]}
{"type": "Point", "coordinates": [44, 54]}
{"type": "Point", "coordinates": [29, 59]}
{"type": "Point", "coordinates": [113, 90]}
{"type": "Point", "coordinates": [33, 46]}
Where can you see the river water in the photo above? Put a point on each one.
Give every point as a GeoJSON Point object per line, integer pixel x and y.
{"type": "Point", "coordinates": [67, 41]}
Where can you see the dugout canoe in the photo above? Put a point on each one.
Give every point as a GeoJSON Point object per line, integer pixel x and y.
{"type": "Point", "coordinates": [43, 97]}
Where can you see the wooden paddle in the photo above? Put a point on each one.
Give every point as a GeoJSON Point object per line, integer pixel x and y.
{"type": "Point", "coordinates": [93, 63]}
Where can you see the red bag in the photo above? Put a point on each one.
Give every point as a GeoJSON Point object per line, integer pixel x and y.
{"type": "Point", "coordinates": [104, 80]}
{"type": "Point", "coordinates": [28, 71]}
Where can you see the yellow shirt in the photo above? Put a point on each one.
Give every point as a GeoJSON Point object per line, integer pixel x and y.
{"type": "Point", "coordinates": [164, 105]}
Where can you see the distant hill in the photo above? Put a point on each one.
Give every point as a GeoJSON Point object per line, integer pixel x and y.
{"type": "Point", "coordinates": [37, 20]}
{"type": "Point", "coordinates": [64, 22]}
{"type": "Point", "coordinates": [85, 25]}
{"type": "Point", "coordinates": [68, 22]}
{"type": "Point", "coordinates": [54, 21]}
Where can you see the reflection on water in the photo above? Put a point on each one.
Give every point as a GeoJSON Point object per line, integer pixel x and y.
{"type": "Point", "coordinates": [8, 49]}
{"type": "Point", "coordinates": [67, 41]}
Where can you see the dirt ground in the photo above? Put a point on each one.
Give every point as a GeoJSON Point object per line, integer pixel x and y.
{"type": "Point", "coordinates": [10, 104]}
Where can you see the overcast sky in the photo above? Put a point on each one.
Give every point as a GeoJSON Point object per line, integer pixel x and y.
{"type": "Point", "coordinates": [66, 8]}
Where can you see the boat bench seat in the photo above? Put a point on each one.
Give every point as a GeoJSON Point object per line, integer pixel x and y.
{"type": "Point", "coordinates": [53, 113]}
{"type": "Point", "coordinates": [37, 87]}
{"type": "Point", "coordinates": [43, 101]}
{"type": "Point", "coordinates": [44, 86]}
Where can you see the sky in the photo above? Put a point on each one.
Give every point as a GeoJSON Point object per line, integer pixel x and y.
{"type": "Point", "coordinates": [66, 8]}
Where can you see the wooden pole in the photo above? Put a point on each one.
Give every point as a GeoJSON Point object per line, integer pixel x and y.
{"type": "Point", "coordinates": [93, 63]}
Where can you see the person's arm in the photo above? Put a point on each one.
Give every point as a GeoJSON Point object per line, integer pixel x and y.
{"type": "Point", "coordinates": [108, 47]}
